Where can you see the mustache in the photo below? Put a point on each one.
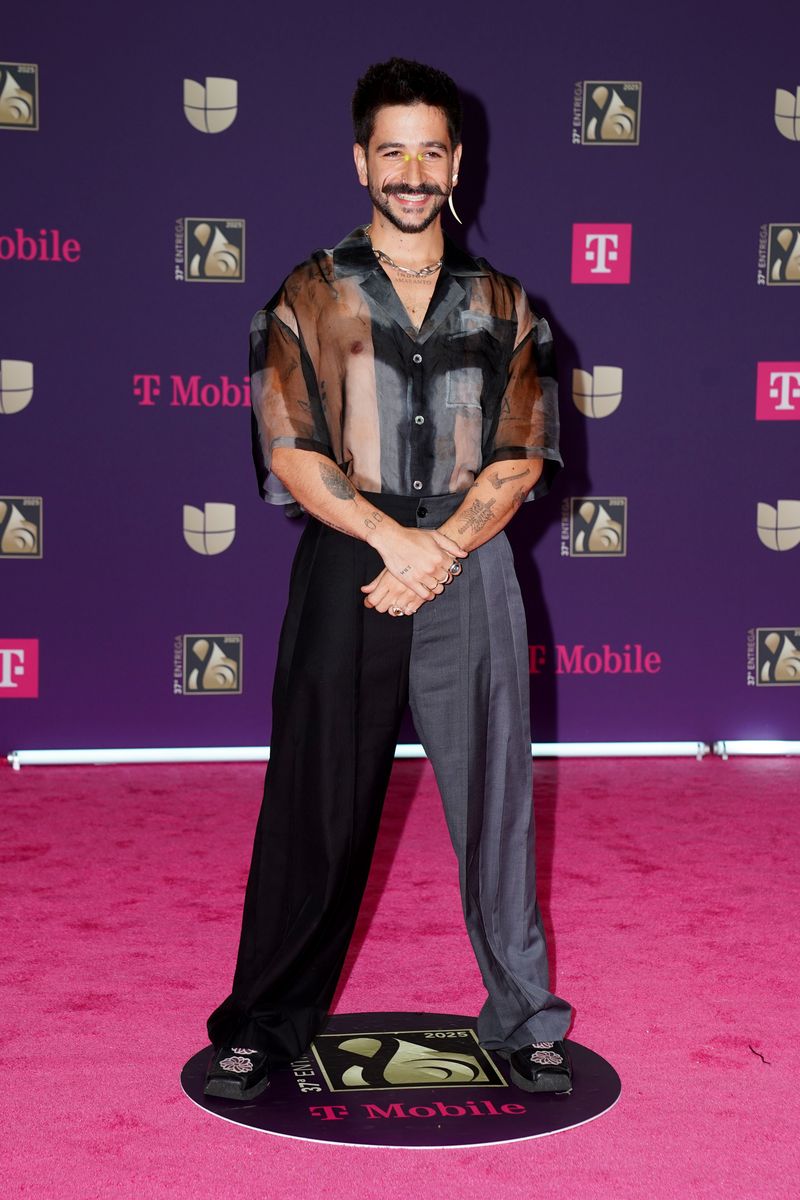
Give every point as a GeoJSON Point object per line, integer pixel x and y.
{"type": "Point", "coordinates": [422, 189]}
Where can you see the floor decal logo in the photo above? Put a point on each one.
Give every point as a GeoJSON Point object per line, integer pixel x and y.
{"type": "Point", "coordinates": [416, 1080]}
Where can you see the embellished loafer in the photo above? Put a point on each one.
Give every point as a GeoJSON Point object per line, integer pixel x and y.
{"type": "Point", "coordinates": [540, 1067]}
{"type": "Point", "coordinates": [237, 1073]}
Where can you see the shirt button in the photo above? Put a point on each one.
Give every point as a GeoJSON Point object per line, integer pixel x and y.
{"type": "Point", "coordinates": [419, 420]}
{"type": "Point", "coordinates": [422, 511]}
{"type": "Point", "coordinates": [417, 485]}
{"type": "Point", "coordinates": [417, 358]}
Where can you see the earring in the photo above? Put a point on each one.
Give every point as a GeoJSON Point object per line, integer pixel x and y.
{"type": "Point", "coordinates": [452, 209]}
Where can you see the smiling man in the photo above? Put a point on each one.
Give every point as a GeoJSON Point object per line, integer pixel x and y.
{"type": "Point", "coordinates": [403, 395]}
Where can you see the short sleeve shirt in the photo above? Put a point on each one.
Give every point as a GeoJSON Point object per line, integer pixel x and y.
{"type": "Point", "coordinates": [336, 366]}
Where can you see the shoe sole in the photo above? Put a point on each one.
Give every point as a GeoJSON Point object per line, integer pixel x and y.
{"type": "Point", "coordinates": [229, 1089]}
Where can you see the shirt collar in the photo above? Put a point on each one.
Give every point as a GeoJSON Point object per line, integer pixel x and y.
{"type": "Point", "coordinates": [354, 256]}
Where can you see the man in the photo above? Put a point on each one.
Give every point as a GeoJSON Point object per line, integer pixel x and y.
{"type": "Point", "coordinates": [403, 395]}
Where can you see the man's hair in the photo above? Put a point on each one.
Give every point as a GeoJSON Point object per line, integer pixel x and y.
{"type": "Point", "coordinates": [402, 81]}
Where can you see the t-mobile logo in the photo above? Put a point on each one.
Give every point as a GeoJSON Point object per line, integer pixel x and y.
{"type": "Point", "coordinates": [19, 668]}
{"type": "Point", "coordinates": [601, 253]}
{"type": "Point", "coordinates": [601, 249]}
{"type": "Point", "coordinates": [778, 391]}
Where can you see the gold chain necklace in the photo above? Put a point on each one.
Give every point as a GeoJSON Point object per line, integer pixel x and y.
{"type": "Point", "coordinates": [416, 274]}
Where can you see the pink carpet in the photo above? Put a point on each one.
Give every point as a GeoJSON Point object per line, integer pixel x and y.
{"type": "Point", "coordinates": [672, 891]}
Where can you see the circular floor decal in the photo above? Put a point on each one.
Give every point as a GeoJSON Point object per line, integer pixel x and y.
{"type": "Point", "coordinates": [408, 1079]}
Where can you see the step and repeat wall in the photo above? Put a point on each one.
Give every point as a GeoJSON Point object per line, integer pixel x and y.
{"type": "Point", "coordinates": [164, 169]}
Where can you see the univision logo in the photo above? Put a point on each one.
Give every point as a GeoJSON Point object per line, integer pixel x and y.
{"type": "Point", "coordinates": [787, 113]}
{"type": "Point", "coordinates": [16, 385]}
{"type": "Point", "coordinates": [211, 529]}
{"type": "Point", "coordinates": [597, 393]}
{"type": "Point", "coordinates": [779, 527]}
{"type": "Point", "coordinates": [210, 107]}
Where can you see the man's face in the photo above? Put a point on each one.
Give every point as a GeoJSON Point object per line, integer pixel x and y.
{"type": "Point", "coordinates": [409, 165]}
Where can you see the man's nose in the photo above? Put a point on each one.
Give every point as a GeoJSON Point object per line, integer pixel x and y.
{"type": "Point", "coordinates": [413, 169]}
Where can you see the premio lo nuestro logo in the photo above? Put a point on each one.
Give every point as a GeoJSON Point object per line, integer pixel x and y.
{"type": "Point", "coordinates": [787, 113]}
{"type": "Point", "coordinates": [20, 526]}
{"type": "Point", "coordinates": [595, 526]}
{"type": "Point", "coordinates": [597, 393]}
{"type": "Point", "coordinates": [19, 96]}
{"type": "Point", "coordinates": [209, 250]}
{"type": "Point", "coordinates": [211, 529]}
{"type": "Point", "coordinates": [777, 657]}
{"type": "Point", "coordinates": [778, 526]}
{"type": "Point", "coordinates": [778, 391]}
{"type": "Point", "coordinates": [601, 253]}
{"type": "Point", "coordinates": [607, 113]}
{"type": "Point", "coordinates": [16, 385]}
{"type": "Point", "coordinates": [783, 254]}
{"type": "Point", "coordinates": [422, 1058]}
{"type": "Point", "coordinates": [210, 107]}
{"type": "Point", "coordinates": [207, 664]}
{"type": "Point", "coordinates": [19, 668]}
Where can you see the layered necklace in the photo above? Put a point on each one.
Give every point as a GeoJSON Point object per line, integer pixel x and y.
{"type": "Point", "coordinates": [413, 273]}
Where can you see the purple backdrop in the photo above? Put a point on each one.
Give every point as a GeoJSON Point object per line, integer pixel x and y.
{"type": "Point", "coordinates": [115, 163]}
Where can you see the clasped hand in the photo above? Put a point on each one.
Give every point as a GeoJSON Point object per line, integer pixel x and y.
{"type": "Point", "coordinates": [415, 571]}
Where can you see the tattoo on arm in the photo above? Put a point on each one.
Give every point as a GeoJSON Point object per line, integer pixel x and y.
{"type": "Point", "coordinates": [374, 519]}
{"type": "Point", "coordinates": [497, 480]}
{"type": "Point", "coordinates": [337, 484]}
{"type": "Point", "coordinates": [477, 515]}
{"type": "Point", "coordinates": [519, 497]}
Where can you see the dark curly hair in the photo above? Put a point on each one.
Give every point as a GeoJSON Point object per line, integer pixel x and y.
{"type": "Point", "coordinates": [402, 81]}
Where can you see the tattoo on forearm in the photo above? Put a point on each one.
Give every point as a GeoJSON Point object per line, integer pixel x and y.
{"type": "Point", "coordinates": [374, 519]}
{"type": "Point", "coordinates": [331, 524]}
{"type": "Point", "coordinates": [337, 484]}
{"type": "Point", "coordinates": [477, 515]}
{"type": "Point", "coordinates": [497, 480]}
{"type": "Point", "coordinates": [519, 497]}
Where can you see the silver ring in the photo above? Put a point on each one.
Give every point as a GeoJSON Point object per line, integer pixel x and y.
{"type": "Point", "coordinates": [445, 580]}
{"type": "Point", "coordinates": [455, 567]}
{"type": "Point", "coordinates": [397, 612]}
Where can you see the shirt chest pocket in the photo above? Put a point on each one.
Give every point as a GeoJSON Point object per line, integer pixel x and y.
{"type": "Point", "coordinates": [477, 357]}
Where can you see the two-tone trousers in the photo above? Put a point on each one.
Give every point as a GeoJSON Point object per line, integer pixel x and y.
{"type": "Point", "coordinates": [344, 676]}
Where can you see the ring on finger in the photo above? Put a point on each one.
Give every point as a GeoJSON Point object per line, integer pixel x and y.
{"type": "Point", "coordinates": [397, 612]}
{"type": "Point", "coordinates": [455, 567]}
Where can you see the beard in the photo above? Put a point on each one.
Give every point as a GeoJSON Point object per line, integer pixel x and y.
{"type": "Point", "coordinates": [380, 199]}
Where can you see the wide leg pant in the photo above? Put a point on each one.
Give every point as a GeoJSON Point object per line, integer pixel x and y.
{"type": "Point", "coordinates": [343, 678]}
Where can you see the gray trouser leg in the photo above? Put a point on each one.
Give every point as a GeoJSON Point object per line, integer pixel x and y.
{"type": "Point", "coordinates": [469, 698]}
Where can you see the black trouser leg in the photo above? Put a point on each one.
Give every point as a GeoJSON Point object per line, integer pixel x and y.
{"type": "Point", "coordinates": [341, 687]}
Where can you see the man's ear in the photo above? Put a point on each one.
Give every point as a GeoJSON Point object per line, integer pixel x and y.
{"type": "Point", "coordinates": [360, 159]}
{"type": "Point", "coordinates": [457, 160]}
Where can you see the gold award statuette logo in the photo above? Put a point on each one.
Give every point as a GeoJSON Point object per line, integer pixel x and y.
{"type": "Point", "coordinates": [20, 526]}
{"type": "Point", "coordinates": [598, 527]}
{"type": "Point", "coordinates": [19, 96]}
{"type": "Point", "coordinates": [779, 527]}
{"type": "Point", "coordinates": [213, 249]}
{"type": "Point", "coordinates": [783, 254]}
{"type": "Point", "coordinates": [16, 385]}
{"type": "Point", "coordinates": [212, 664]}
{"type": "Point", "coordinates": [787, 113]}
{"type": "Point", "coordinates": [611, 113]}
{"type": "Point", "coordinates": [408, 1059]}
{"type": "Point", "coordinates": [210, 107]}
{"type": "Point", "coordinates": [211, 529]}
{"type": "Point", "coordinates": [778, 657]}
{"type": "Point", "coordinates": [597, 393]}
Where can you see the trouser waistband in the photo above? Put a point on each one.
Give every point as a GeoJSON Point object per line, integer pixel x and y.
{"type": "Point", "coordinates": [426, 512]}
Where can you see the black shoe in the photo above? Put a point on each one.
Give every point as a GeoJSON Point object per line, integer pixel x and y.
{"type": "Point", "coordinates": [237, 1073]}
{"type": "Point", "coordinates": [540, 1067]}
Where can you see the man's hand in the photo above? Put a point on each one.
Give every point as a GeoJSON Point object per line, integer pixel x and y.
{"type": "Point", "coordinates": [385, 593]}
{"type": "Point", "coordinates": [417, 558]}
